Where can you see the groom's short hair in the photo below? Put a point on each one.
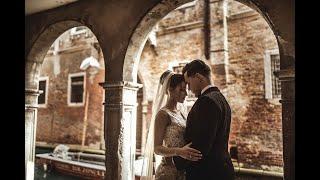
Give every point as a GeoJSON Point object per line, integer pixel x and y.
{"type": "Point", "coordinates": [197, 66]}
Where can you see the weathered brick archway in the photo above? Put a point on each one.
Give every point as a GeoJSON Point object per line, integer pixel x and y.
{"type": "Point", "coordinates": [286, 74]}
{"type": "Point", "coordinates": [34, 60]}
{"type": "Point", "coordinates": [121, 28]}
{"type": "Point", "coordinates": [40, 47]}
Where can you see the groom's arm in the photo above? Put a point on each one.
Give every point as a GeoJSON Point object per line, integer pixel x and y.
{"type": "Point", "coordinates": [204, 129]}
{"type": "Point", "coordinates": [180, 163]}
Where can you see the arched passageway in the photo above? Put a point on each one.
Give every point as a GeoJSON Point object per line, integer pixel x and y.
{"type": "Point", "coordinates": [70, 108]}
{"type": "Point", "coordinates": [123, 38]}
{"type": "Point", "coordinates": [240, 66]}
{"type": "Point", "coordinates": [34, 63]}
{"type": "Point", "coordinates": [286, 74]}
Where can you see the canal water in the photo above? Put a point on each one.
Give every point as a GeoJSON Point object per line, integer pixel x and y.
{"type": "Point", "coordinates": [40, 174]}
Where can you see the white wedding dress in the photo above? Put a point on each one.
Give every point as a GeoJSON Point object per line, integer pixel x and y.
{"type": "Point", "coordinates": [173, 137]}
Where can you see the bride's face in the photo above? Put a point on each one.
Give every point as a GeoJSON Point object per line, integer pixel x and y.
{"type": "Point", "coordinates": [180, 93]}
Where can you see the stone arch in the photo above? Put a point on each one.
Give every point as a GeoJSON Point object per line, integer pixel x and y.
{"type": "Point", "coordinates": [40, 48]}
{"type": "Point", "coordinates": [139, 37]}
{"type": "Point", "coordinates": [33, 61]}
{"type": "Point", "coordinates": [286, 51]}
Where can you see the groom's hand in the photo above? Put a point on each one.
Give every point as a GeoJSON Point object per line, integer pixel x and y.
{"type": "Point", "coordinates": [189, 153]}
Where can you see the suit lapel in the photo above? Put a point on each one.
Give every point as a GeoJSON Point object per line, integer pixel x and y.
{"type": "Point", "coordinates": [190, 118]}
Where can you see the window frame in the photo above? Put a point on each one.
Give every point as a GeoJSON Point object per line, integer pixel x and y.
{"type": "Point", "coordinates": [46, 79]}
{"type": "Point", "coordinates": [74, 31]}
{"type": "Point", "coordinates": [268, 74]}
{"type": "Point", "coordinates": [174, 64]}
{"type": "Point", "coordinates": [187, 5]}
{"type": "Point", "coordinates": [71, 75]}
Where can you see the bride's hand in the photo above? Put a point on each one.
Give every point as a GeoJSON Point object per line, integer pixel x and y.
{"type": "Point", "coordinates": [189, 153]}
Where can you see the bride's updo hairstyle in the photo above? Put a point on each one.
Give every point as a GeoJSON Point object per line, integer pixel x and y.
{"type": "Point", "coordinates": [164, 75]}
{"type": "Point", "coordinates": [174, 80]}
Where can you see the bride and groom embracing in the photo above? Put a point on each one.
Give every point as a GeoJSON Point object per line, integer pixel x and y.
{"type": "Point", "coordinates": [190, 146]}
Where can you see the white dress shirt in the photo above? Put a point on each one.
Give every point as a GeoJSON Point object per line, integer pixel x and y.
{"type": "Point", "coordinates": [207, 87]}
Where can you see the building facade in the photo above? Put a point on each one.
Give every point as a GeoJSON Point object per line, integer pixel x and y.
{"type": "Point", "coordinates": [70, 107]}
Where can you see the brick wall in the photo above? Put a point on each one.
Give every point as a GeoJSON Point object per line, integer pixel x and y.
{"type": "Point", "coordinates": [188, 13]}
{"type": "Point", "coordinates": [59, 122]}
{"type": "Point", "coordinates": [171, 48]}
{"type": "Point", "coordinates": [256, 121]}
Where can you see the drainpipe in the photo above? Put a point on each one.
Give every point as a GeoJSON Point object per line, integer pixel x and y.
{"type": "Point", "coordinates": [85, 120]}
{"type": "Point", "coordinates": [207, 29]}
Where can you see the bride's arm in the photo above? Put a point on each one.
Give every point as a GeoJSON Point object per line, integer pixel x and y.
{"type": "Point", "coordinates": [161, 122]}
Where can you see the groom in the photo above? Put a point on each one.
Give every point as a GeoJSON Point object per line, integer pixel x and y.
{"type": "Point", "coordinates": [208, 127]}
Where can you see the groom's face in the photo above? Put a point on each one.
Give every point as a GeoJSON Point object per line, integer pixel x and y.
{"type": "Point", "coordinates": [193, 84]}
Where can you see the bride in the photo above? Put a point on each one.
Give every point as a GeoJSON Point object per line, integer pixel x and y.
{"type": "Point", "coordinates": [167, 126]}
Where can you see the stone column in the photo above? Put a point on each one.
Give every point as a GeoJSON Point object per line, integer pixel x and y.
{"type": "Point", "coordinates": [31, 107]}
{"type": "Point", "coordinates": [102, 140]}
{"type": "Point", "coordinates": [219, 59]}
{"type": "Point", "coordinates": [120, 129]}
{"type": "Point", "coordinates": [287, 78]}
{"type": "Point", "coordinates": [32, 73]}
{"type": "Point", "coordinates": [144, 125]}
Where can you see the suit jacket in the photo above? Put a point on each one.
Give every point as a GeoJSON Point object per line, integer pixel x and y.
{"type": "Point", "coordinates": [208, 127]}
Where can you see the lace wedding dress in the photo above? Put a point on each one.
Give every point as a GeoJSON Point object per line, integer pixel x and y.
{"type": "Point", "coordinates": [173, 137]}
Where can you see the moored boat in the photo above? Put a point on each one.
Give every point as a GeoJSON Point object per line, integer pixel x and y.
{"type": "Point", "coordinates": [83, 165]}
{"type": "Point", "coordinates": [74, 167]}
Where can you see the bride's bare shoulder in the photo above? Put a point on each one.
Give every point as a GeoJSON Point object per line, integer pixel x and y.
{"type": "Point", "coordinates": [162, 115]}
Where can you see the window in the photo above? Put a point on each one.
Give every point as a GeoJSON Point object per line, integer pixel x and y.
{"type": "Point", "coordinates": [272, 83]}
{"type": "Point", "coordinates": [80, 28]}
{"type": "Point", "coordinates": [178, 68]}
{"type": "Point", "coordinates": [77, 31]}
{"type": "Point", "coordinates": [275, 66]}
{"type": "Point", "coordinates": [189, 4]}
{"type": "Point", "coordinates": [43, 86]}
{"type": "Point", "coordinates": [76, 89]}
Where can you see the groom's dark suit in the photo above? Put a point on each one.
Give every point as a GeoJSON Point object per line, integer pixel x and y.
{"type": "Point", "coordinates": [208, 127]}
